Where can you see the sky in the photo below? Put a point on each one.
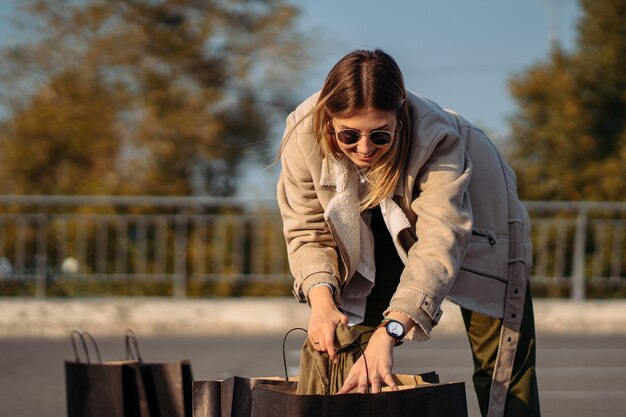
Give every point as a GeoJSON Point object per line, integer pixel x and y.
{"type": "Point", "coordinates": [461, 53]}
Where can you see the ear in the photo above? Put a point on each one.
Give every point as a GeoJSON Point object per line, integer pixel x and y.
{"type": "Point", "coordinates": [329, 125]}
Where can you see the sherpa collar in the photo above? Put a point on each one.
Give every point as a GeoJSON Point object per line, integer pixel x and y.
{"type": "Point", "coordinates": [335, 173]}
{"type": "Point", "coordinates": [343, 212]}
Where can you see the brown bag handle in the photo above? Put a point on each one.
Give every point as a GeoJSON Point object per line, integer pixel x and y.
{"type": "Point", "coordinates": [81, 335]}
{"type": "Point", "coordinates": [129, 337]}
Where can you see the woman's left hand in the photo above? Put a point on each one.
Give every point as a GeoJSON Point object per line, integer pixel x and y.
{"type": "Point", "coordinates": [379, 355]}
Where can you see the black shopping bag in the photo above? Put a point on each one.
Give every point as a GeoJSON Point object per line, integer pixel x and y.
{"type": "Point", "coordinates": [423, 399]}
{"type": "Point", "coordinates": [109, 389]}
{"type": "Point", "coordinates": [264, 397]}
{"type": "Point", "coordinates": [421, 395]}
{"type": "Point", "coordinates": [230, 397]}
{"type": "Point", "coordinates": [167, 385]}
{"type": "Point", "coordinates": [130, 388]}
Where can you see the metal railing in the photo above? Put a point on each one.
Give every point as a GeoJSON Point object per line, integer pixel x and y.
{"type": "Point", "coordinates": [579, 244]}
{"type": "Point", "coordinates": [180, 239]}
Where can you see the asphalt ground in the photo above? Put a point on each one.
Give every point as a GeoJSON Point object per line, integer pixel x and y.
{"type": "Point", "coordinates": [579, 375]}
{"type": "Point", "coordinates": [581, 346]}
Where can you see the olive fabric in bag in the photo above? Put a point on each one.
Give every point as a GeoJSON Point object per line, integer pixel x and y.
{"type": "Point", "coordinates": [320, 375]}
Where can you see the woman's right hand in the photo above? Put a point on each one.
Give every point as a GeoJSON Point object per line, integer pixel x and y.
{"type": "Point", "coordinates": [325, 317]}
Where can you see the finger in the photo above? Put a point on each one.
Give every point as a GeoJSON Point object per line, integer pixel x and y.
{"type": "Point", "coordinates": [329, 342]}
{"type": "Point", "coordinates": [332, 354]}
{"type": "Point", "coordinates": [348, 385]}
{"type": "Point", "coordinates": [390, 381]}
{"type": "Point", "coordinates": [362, 387]}
{"type": "Point", "coordinates": [375, 384]}
{"type": "Point", "coordinates": [344, 320]}
{"type": "Point", "coordinates": [314, 339]}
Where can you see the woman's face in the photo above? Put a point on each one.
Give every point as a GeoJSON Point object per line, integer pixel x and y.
{"type": "Point", "coordinates": [364, 152]}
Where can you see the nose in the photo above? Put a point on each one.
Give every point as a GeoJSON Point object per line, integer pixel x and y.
{"type": "Point", "coordinates": [365, 145]}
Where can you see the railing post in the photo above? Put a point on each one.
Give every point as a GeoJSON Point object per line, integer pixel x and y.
{"type": "Point", "coordinates": [180, 257]}
{"type": "Point", "coordinates": [41, 257]}
{"type": "Point", "coordinates": [580, 241]}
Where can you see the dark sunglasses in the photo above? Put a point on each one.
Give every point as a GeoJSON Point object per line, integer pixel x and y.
{"type": "Point", "coordinates": [352, 136]}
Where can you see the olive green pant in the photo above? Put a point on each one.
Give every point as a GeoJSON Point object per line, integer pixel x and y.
{"type": "Point", "coordinates": [483, 333]}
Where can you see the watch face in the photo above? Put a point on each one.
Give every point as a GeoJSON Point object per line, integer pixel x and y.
{"type": "Point", "coordinates": [395, 329]}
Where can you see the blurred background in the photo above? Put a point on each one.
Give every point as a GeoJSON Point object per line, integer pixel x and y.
{"type": "Point", "coordinates": [137, 138]}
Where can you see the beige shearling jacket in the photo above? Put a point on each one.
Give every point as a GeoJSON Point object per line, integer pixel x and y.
{"type": "Point", "coordinates": [449, 217]}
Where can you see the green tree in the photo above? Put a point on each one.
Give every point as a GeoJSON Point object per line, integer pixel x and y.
{"type": "Point", "coordinates": [142, 96]}
{"type": "Point", "coordinates": [48, 151]}
{"type": "Point", "coordinates": [569, 134]}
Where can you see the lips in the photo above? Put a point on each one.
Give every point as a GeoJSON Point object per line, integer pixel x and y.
{"type": "Point", "coordinates": [366, 157]}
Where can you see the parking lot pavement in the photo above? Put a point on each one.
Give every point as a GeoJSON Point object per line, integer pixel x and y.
{"type": "Point", "coordinates": [579, 375]}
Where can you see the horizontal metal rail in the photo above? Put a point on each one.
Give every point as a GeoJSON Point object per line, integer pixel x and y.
{"type": "Point", "coordinates": [180, 240]}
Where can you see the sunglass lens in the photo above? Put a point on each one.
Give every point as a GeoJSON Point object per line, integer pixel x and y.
{"type": "Point", "coordinates": [380, 137]}
{"type": "Point", "coordinates": [348, 137]}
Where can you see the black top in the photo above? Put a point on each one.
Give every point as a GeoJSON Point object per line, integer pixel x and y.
{"type": "Point", "coordinates": [389, 267]}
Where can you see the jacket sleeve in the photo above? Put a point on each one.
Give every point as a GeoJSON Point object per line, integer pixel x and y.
{"type": "Point", "coordinates": [443, 229]}
{"type": "Point", "coordinates": [311, 248]}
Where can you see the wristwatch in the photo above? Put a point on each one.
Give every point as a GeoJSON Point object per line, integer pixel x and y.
{"type": "Point", "coordinates": [394, 329]}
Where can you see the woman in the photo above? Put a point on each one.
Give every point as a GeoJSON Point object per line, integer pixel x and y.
{"type": "Point", "coordinates": [391, 204]}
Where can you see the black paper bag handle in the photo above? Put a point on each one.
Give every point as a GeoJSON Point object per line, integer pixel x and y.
{"type": "Point", "coordinates": [130, 339]}
{"type": "Point", "coordinates": [284, 355]}
{"type": "Point", "coordinates": [81, 336]}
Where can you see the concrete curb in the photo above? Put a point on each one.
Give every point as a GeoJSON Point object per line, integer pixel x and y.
{"type": "Point", "coordinates": [53, 318]}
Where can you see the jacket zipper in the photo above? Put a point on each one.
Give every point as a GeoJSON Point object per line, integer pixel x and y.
{"type": "Point", "coordinates": [489, 238]}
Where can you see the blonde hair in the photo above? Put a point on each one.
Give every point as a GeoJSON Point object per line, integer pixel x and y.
{"type": "Point", "coordinates": [360, 80]}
